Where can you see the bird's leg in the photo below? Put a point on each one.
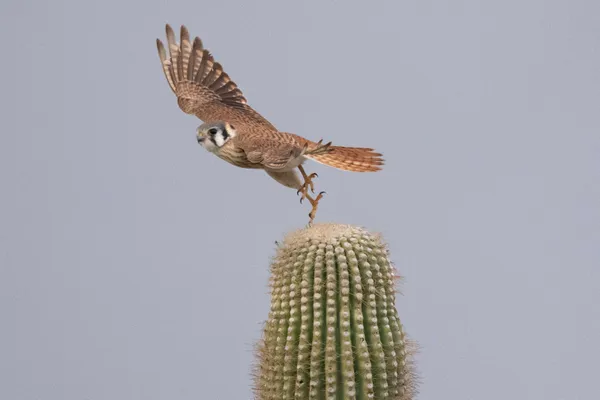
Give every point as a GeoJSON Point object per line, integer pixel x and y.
{"type": "Point", "coordinates": [307, 183]}
{"type": "Point", "coordinates": [314, 202]}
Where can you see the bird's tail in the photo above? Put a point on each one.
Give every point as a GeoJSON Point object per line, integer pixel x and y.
{"type": "Point", "coordinates": [357, 159]}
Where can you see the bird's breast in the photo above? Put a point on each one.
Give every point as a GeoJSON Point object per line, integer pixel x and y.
{"type": "Point", "coordinates": [236, 156]}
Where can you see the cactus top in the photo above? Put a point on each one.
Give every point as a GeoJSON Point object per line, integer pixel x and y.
{"type": "Point", "coordinates": [323, 232]}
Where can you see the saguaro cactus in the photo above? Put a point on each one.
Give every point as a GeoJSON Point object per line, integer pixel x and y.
{"type": "Point", "coordinates": [333, 331]}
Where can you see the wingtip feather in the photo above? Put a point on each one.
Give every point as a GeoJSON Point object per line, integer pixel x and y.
{"type": "Point", "coordinates": [161, 50]}
{"type": "Point", "coordinates": [184, 33]}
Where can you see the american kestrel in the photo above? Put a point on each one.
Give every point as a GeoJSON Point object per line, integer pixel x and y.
{"type": "Point", "coordinates": [233, 131]}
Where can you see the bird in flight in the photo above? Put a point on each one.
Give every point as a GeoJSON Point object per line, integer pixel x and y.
{"type": "Point", "coordinates": [236, 133]}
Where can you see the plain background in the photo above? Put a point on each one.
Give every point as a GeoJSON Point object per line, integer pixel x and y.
{"type": "Point", "coordinates": [134, 264]}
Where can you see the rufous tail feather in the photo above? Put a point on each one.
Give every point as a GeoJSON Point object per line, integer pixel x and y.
{"type": "Point", "coordinates": [357, 159]}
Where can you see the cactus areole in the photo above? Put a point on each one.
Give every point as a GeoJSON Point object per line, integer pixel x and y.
{"type": "Point", "coordinates": [333, 330]}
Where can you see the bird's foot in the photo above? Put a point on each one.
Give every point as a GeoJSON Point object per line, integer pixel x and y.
{"type": "Point", "coordinates": [308, 183]}
{"type": "Point", "coordinates": [315, 204]}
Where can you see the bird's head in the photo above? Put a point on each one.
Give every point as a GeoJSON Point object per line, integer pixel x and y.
{"type": "Point", "coordinates": [213, 135]}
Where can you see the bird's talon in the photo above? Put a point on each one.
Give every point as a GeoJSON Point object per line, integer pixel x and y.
{"type": "Point", "coordinates": [308, 184]}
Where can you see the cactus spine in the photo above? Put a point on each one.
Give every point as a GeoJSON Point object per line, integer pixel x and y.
{"type": "Point", "coordinates": [333, 331]}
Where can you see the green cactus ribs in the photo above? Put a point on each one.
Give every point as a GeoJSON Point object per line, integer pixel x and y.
{"type": "Point", "coordinates": [333, 330]}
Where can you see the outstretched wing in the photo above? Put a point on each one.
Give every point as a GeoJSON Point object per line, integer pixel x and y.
{"type": "Point", "coordinates": [203, 88]}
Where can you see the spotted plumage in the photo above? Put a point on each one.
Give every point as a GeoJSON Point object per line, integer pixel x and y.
{"type": "Point", "coordinates": [238, 134]}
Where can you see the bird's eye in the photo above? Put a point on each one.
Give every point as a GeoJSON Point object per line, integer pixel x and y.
{"type": "Point", "coordinates": [213, 131]}
{"type": "Point", "coordinates": [232, 127]}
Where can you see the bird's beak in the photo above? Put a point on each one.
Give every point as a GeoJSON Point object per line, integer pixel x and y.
{"type": "Point", "coordinates": [200, 139]}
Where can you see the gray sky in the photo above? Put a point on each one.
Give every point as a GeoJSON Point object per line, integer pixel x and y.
{"type": "Point", "coordinates": [134, 263]}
